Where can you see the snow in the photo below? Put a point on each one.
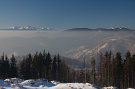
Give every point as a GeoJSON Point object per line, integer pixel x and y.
{"type": "Point", "coordinates": [55, 82]}
{"type": "Point", "coordinates": [42, 84]}
{"type": "Point", "coordinates": [14, 80]}
{"type": "Point", "coordinates": [4, 83]}
{"type": "Point", "coordinates": [111, 87]}
{"type": "Point", "coordinates": [74, 86]}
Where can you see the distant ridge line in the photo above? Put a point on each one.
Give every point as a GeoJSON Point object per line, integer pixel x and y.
{"type": "Point", "coordinates": [99, 29]}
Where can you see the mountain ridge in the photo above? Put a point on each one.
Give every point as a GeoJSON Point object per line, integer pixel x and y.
{"type": "Point", "coordinates": [115, 44]}
{"type": "Point", "coordinates": [26, 28]}
{"type": "Point", "coordinates": [100, 29]}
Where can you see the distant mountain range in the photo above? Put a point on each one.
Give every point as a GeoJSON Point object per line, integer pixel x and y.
{"type": "Point", "coordinates": [73, 46]}
{"type": "Point", "coordinates": [100, 42]}
{"type": "Point", "coordinates": [73, 29]}
{"type": "Point", "coordinates": [100, 29]}
{"type": "Point", "coordinates": [26, 28]}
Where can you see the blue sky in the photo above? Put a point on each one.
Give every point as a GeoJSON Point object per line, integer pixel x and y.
{"type": "Point", "coordinates": [66, 14]}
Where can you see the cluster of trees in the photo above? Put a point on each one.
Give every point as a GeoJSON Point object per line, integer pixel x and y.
{"type": "Point", "coordinates": [8, 68]}
{"type": "Point", "coordinates": [116, 71]}
{"type": "Point", "coordinates": [110, 70]}
{"type": "Point", "coordinates": [39, 65]}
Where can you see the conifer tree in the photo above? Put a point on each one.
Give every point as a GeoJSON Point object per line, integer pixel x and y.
{"type": "Point", "coordinates": [93, 69]}
{"type": "Point", "coordinates": [22, 69]}
{"type": "Point", "coordinates": [113, 70]}
{"type": "Point", "coordinates": [119, 67]}
{"type": "Point", "coordinates": [107, 67]}
{"type": "Point", "coordinates": [64, 72]}
{"type": "Point", "coordinates": [2, 66]}
{"type": "Point", "coordinates": [44, 65]}
{"type": "Point", "coordinates": [28, 65]}
{"type": "Point", "coordinates": [13, 67]}
{"type": "Point", "coordinates": [133, 71]}
{"type": "Point", "coordinates": [35, 66]}
{"type": "Point", "coordinates": [127, 69]}
{"type": "Point", "coordinates": [7, 65]}
{"type": "Point", "coordinates": [54, 68]}
{"type": "Point", "coordinates": [100, 70]}
{"type": "Point", "coordinates": [58, 67]}
{"type": "Point", "coordinates": [48, 65]}
{"type": "Point", "coordinates": [40, 64]}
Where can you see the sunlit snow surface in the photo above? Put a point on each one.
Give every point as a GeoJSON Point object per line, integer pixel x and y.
{"type": "Point", "coordinates": [41, 84]}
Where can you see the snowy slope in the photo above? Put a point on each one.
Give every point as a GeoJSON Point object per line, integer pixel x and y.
{"type": "Point", "coordinates": [42, 84]}
{"type": "Point", "coordinates": [115, 44]}
{"type": "Point", "coordinates": [74, 86]}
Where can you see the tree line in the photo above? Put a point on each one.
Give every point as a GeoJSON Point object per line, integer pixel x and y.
{"type": "Point", "coordinates": [116, 71]}
{"type": "Point", "coordinates": [8, 68]}
{"type": "Point", "coordinates": [109, 70]}
{"type": "Point", "coordinates": [39, 65]}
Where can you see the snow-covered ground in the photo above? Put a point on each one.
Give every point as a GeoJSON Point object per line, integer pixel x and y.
{"type": "Point", "coordinates": [16, 83]}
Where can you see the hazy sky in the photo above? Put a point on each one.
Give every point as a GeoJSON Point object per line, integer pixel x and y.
{"type": "Point", "coordinates": [66, 14]}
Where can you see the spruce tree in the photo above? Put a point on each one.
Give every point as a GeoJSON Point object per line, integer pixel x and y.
{"type": "Point", "coordinates": [35, 66]}
{"type": "Point", "coordinates": [48, 65]}
{"type": "Point", "coordinates": [2, 66]}
{"type": "Point", "coordinates": [54, 68]}
{"type": "Point", "coordinates": [127, 69]}
{"type": "Point", "coordinates": [100, 70]}
{"type": "Point", "coordinates": [40, 64]}
{"type": "Point", "coordinates": [23, 69]}
{"type": "Point", "coordinates": [28, 66]}
{"type": "Point", "coordinates": [113, 68]}
{"type": "Point", "coordinates": [44, 65]}
{"type": "Point", "coordinates": [133, 71]}
{"type": "Point", "coordinates": [58, 67]}
{"type": "Point", "coordinates": [7, 65]}
{"type": "Point", "coordinates": [13, 67]}
{"type": "Point", "coordinates": [118, 71]}
{"type": "Point", "coordinates": [93, 70]}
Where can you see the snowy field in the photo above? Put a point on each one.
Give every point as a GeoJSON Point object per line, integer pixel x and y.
{"type": "Point", "coordinates": [16, 83]}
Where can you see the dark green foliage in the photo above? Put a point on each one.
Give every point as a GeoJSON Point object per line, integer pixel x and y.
{"type": "Point", "coordinates": [7, 66]}
{"type": "Point", "coordinates": [118, 69]}
{"type": "Point", "coordinates": [22, 69]}
{"type": "Point", "coordinates": [54, 68]}
{"type": "Point", "coordinates": [13, 67]}
{"type": "Point", "coordinates": [48, 66]}
{"type": "Point", "coordinates": [25, 68]}
{"type": "Point", "coordinates": [111, 70]}
{"type": "Point", "coordinates": [41, 65]}
{"type": "Point", "coordinates": [8, 69]}
{"type": "Point", "coordinates": [64, 73]}
{"type": "Point", "coordinates": [93, 70]}
{"type": "Point", "coordinates": [115, 71]}
{"type": "Point", "coordinates": [4, 67]}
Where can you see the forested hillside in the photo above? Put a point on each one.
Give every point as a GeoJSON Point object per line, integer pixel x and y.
{"type": "Point", "coordinates": [111, 70]}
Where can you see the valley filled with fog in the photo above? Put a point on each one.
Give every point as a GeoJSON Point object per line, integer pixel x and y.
{"type": "Point", "coordinates": [71, 44]}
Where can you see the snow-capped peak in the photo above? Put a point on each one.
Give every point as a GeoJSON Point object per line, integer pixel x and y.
{"type": "Point", "coordinates": [27, 28]}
